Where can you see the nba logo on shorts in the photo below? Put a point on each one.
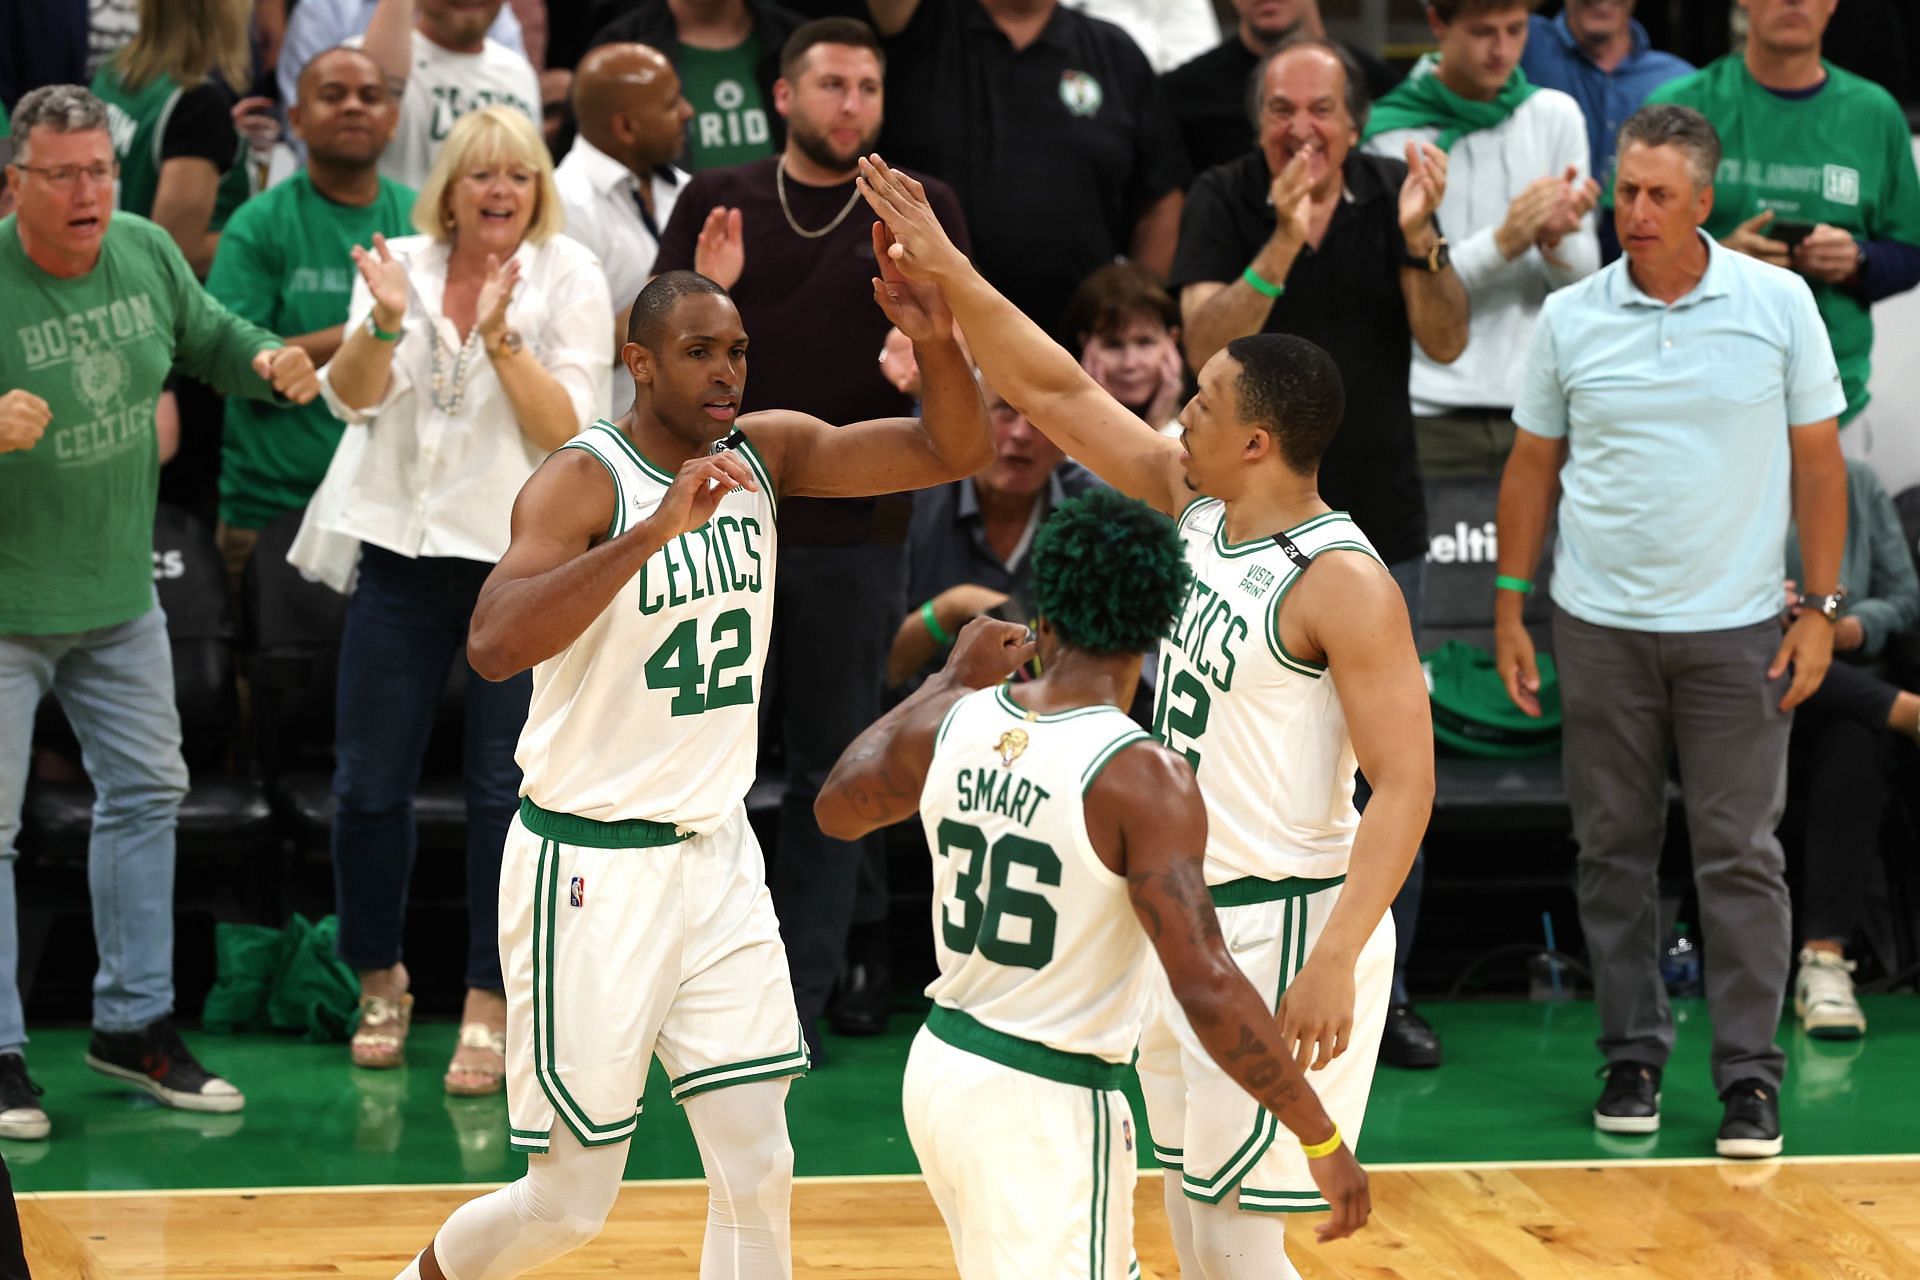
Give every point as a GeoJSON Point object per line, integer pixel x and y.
{"type": "Point", "coordinates": [577, 892]}
{"type": "Point", "coordinates": [1126, 1131]}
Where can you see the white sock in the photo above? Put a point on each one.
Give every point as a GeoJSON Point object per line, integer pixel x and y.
{"type": "Point", "coordinates": [1234, 1244]}
{"type": "Point", "coordinates": [560, 1205]}
{"type": "Point", "coordinates": [742, 1135]}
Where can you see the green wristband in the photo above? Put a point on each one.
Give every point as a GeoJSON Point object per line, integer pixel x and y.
{"type": "Point", "coordinates": [933, 624]}
{"type": "Point", "coordinates": [1504, 583]}
{"type": "Point", "coordinates": [373, 327]}
{"type": "Point", "coordinates": [1261, 286]}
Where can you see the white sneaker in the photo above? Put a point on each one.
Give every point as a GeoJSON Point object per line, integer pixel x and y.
{"type": "Point", "coordinates": [1823, 997]}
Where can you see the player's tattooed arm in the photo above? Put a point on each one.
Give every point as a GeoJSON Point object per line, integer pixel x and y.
{"type": "Point", "coordinates": [878, 778]}
{"type": "Point", "coordinates": [1147, 821]}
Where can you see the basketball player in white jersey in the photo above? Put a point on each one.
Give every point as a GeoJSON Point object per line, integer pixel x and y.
{"type": "Point", "coordinates": [1292, 662]}
{"type": "Point", "coordinates": [634, 919]}
{"type": "Point", "coordinates": [1066, 843]}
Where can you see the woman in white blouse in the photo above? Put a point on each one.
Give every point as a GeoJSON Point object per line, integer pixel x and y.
{"type": "Point", "coordinates": [474, 350]}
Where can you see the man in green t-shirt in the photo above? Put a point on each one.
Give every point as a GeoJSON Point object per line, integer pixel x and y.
{"type": "Point", "coordinates": [99, 306]}
{"type": "Point", "coordinates": [285, 263]}
{"type": "Point", "coordinates": [1818, 174]}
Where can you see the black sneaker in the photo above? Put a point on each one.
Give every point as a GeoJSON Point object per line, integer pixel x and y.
{"type": "Point", "coordinates": [1631, 1101]}
{"type": "Point", "coordinates": [1750, 1125]}
{"type": "Point", "coordinates": [156, 1059]}
{"type": "Point", "coordinates": [866, 996]}
{"type": "Point", "coordinates": [1407, 1041]}
{"type": "Point", "coordinates": [21, 1116]}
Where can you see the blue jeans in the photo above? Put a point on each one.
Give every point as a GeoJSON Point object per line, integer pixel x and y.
{"type": "Point", "coordinates": [116, 686]}
{"type": "Point", "coordinates": [406, 627]}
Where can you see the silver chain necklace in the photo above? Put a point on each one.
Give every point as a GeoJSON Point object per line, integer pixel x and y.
{"type": "Point", "coordinates": [449, 402]}
{"type": "Point", "coordinates": [780, 186]}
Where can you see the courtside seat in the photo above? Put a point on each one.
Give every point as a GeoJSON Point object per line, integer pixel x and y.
{"type": "Point", "coordinates": [1472, 793]}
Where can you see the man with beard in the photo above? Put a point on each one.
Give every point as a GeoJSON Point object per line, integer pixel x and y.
{"type": "Point", "coordinates": [1209, 94]}
{"type": "Point", "coordinates": [784, 237]}
{"type": "Point", "coordinates": [285, 263]}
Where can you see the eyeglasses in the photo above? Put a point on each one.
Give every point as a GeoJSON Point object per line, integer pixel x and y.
{"type": "Point", "coordinates": [61, 177]}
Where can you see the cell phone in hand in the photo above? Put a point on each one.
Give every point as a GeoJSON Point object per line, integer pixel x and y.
{"type": "Point", "coordinates": [1786, 231]}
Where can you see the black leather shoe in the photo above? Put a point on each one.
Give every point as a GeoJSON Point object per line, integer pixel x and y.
{"type": "Point", "coordinates": [1408, 1041]}
{"type": "Point", "coordinates": [861, 1008]}
{"type": "Point", "coordinates": [1631, 1101]}
{"type": "Point", "coordinates": [1750, 1125]}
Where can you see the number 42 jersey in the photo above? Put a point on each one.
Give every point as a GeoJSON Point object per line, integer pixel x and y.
{"type": "Point", "coordinates": [652, 713]}
{"type": "Point", "coordinates": [1263, 729]}
{"type": "Point", "coordinates": [1034, 936]}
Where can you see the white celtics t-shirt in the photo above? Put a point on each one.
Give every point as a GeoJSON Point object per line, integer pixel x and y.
{"type": "Point", "coordinates": [442, 87]}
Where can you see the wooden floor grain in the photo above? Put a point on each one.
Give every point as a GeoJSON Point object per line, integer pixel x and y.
{"type": "Point", "coordinates": [1801, 1221]}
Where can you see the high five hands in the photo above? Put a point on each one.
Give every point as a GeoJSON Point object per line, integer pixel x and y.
{"type": "Point", "coordinates": [918, 244]}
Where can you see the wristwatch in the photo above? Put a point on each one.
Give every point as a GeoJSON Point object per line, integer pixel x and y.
{"type": "Point", "coordinates": [1433, 261]}
{"type": "Point", "coordinates": [509, 344]}
{"type": "Point", "coordinates": [1827, 607]}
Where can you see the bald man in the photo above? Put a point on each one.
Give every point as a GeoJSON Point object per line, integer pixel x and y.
{"type": "Point", "coordinates": [618, 182]}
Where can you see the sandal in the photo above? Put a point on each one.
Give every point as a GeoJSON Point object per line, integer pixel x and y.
{"type": "Point", "coordinates": [477, 1080]}
{"type": "Point", "coordinates": [381, 1034]}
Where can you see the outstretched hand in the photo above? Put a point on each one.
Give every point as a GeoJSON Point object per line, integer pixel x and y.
{"type": "Point", "coordinates": [720, 250]}
{"type": "Point", "coordinates": [1421, 193]}
{"type": "Point", "coordinates": [490, 308]}
{"type": "Point", "coordinates": [920, 245]}
{"type": "Point", "coordinates": [916, 308]}
{"type": "Point", "coordinates": [386, 278]}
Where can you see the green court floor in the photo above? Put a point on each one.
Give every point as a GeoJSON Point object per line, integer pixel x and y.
{"type": "Point", "coordinates": [1517, 1085]}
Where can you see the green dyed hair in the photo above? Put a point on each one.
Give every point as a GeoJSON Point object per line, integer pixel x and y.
{"type": "Point", "coordinates": [1109, 573]}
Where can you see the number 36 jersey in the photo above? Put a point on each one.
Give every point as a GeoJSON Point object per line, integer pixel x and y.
{"type": "Point", "coordinates": [1263, 729]}
{"type": "Point", "coordinates": [1034, 936]}
{"type": "Point", "coordinates": [653, 711]}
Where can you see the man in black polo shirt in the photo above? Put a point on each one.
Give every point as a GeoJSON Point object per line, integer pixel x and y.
{"type": "Point", "coordinates": [790, 240]}
{"type": "Point", "coordinates": [1307, 235]}
{"type": "Point", "coordinates": [1209, 94]}
{"type": "Point", "coordinates": [1052, 128]}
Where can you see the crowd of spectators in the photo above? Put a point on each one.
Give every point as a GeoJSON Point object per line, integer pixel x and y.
{"type": "Point", "coordinates": [446, 207]}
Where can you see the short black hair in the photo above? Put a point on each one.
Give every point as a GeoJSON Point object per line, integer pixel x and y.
{"type": "Point", "coordinates": [1109, 573]}
{"type": "Point", "coordinates": [1291, 389]}
{"type": "Point", "coordinates": [656, 302]}
{"type": "Point", "coordinates": [847, 31]}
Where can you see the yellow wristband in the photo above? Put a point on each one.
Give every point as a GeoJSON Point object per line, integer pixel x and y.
{"type": "Point", "coordinates": [1317, 1150]}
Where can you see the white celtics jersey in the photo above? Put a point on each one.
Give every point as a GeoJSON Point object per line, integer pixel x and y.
{"type": "Point", "coordinates": [1263, 729]}
{"type": "Point", "coordinates": [652, 713]}
{"type": "Point", "coordinates": [1034, 936]}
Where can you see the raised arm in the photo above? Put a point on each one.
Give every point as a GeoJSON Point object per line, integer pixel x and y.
{"type": "Point", "coordinates": [878, 779]}
{"type": "Point", "coordinates": [1348, 611]}
{"type": "Point", "coordinates": [389, 42]}
{"type": "Point", "coordinates": [1036, 375]}
{"type": "Point", "coordinates": [1215, 312]}
{"type": "Point", "coordinates": [553, 581]}
{"type": "Point", "coordinates": [949, 441]}
{"type": "Point", "coordinates": [1146, 808]}
{"type": "Point", "coordinates": [890, 17]}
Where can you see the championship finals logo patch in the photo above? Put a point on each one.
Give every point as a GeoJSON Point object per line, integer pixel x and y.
{"type": "Point", "coordinates": [1012, 743]}
{"type": "Point", "coordinates": [577, 892]}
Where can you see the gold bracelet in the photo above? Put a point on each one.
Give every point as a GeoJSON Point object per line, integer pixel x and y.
{"type": "Point", "coordinates": [1318, 1150]}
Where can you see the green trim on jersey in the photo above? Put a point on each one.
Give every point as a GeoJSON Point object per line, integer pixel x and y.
{"type": "Point", "coordinates": [759, 465]}
{"type": "Point", "coordinates": [587, 833]}
{"type": "Point", "coordinates": [1180, 521]}
{"type": "Point", "coordinates": [617, 525]}
{"type": "Point", "coordinates": [1108, 752]}
{"type": "Point", "coordinates": [546, 886]}
{"type": "Point", "coordinates": [639, 460]}
{"type": "Point", "coordinates": [946, 721]}
{"type": "Point", "coordinates": [1251, 889]}
{"type": "Point", "coordinates": [1007, 704]}
{"type": "Point", "coordinates": [1169, 1157]}
{"type": "Point", "coordinates": [1282, 1201]}
{"type": "Point", "coordinates": [1276, 646]}
{"type": "Point", "coordinates": [707, 1079]}
{"type": "Point", "coordinates": [964, 1032]}
{"type": "Point", "coordinates": [1252, 545]}
{"type": "Point", "coordinates": [1212, 1190]}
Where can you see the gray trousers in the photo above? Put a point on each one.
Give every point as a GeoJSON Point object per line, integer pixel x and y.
{"type": "Point", "coordinates": [1628, 698]}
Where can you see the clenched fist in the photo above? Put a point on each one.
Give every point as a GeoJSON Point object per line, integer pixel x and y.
{"type": "Point", "coordinates": [23, 420]}
{"type": "Point", "coordinates": [290, 372]}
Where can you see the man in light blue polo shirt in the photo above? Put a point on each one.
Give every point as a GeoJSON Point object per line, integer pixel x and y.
{"type": "Point", "coordinates": [1597, 54]}
{"type": "Point", "coordinates": [1684, 402]}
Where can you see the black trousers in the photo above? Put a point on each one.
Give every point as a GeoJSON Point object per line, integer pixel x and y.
{"type": "Point", "coordinates": [1836, 773]}
{"type": "Point", "coordinates": [835, 612]}
{"type": "Point", "coordinates": [13, 1254]}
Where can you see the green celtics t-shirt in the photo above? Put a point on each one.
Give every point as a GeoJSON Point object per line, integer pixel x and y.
{"type": "Point", "coordinates": [286, 264]}
{"type": "Point", "coordinates": [729, 124]}
{"type": "Point", "coordinates": [76, 510]}
{"type": "Point", "coordinates": [1841, 156]}
{"type": "Point", "coordinates": [137, 123]}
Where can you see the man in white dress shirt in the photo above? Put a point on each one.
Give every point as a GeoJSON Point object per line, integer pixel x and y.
{"type": "Point", "coordinates": [618, 183]}
{"type": "Point", "coordinates": [441, 52]}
